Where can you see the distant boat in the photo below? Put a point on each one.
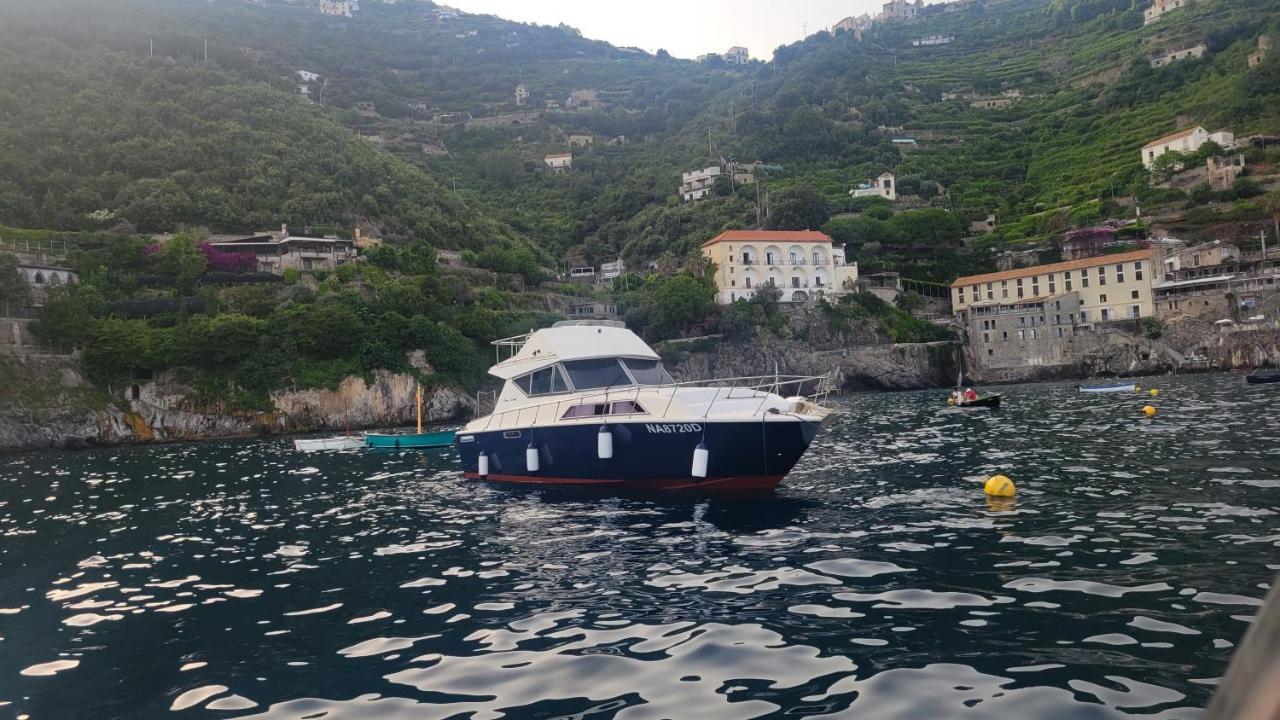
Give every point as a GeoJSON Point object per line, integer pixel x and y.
{"type": "Point", "coordinates": [339, 442]}
{"type": "Point", "coordinates": [411, 440]}
{"type": "Point", "coordinates": [1115, 388]}
{"type": "Point", "coordinates": [1260, 377]}
{"type": "Point", "coordinates": [986, 401]}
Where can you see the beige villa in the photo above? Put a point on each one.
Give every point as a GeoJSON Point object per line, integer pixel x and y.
{"type": "Point", "coordinates": [802, 263]}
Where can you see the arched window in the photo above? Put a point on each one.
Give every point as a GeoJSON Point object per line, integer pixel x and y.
{"type": "Point", "coordinates": [39, 277]}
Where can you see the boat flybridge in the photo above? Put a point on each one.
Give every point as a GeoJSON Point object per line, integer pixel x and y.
{"type": "Point", "coordinates": [589, 403]}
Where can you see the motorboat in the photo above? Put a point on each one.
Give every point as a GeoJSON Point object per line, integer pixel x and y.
{"type": "Point", "coordinates": [589, 403]}
{"type": "Point", "coordinates": [1263, 376]}
{"type": "Point", "coordinates": [1113, 388]}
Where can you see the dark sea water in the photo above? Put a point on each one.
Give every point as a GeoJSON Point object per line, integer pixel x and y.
{"type": "Point", "coordinates": [241, 579]}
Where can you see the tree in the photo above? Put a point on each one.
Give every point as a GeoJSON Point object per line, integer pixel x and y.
{"type": "Point", "coordinates": [1271, 204]}
{"type": "Point", "coordinates": [182, 258]}
{"type": "Point", "coordinates": [14, 290]}
{"type": "Point", "coordinates": [797, 208]}
{"type": "Point", "coordinates": [70, 315]}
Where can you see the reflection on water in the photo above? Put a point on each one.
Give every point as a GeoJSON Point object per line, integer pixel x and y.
{"type": "Point", "coordinates": [241, 579]}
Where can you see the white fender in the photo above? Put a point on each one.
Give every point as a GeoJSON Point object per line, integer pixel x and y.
{"type": "Point", "coordinates": [483, 465]}
{"type": "Point", "coordinates": [531, 458]}
{"type": "Point", "coordinates": [604, 443]}
{"type": "Point", "coordinates": [700, 457]}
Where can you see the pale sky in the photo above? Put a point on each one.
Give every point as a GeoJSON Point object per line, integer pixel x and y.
{"type": "Point", "coordinates": [686, 28]}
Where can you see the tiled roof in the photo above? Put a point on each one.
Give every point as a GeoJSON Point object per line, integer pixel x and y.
{"type": "Point", "coordinates": [1172, 137]}
{"type": "Point", "coordinates": [1055, 267]}
{"type": "Point", "coordinates": [783, 236]}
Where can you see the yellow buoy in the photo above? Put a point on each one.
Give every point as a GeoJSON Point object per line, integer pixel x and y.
{"type": "Point", "coordinates": [951, 401]}
{"type": "Point", "coordinates": [1154, 392]}
{"type": "Point", "coordinates": [1148, 410]}
{"type": "Point", "coordinates": [1000, 486]}
{"type": "Point", "coordinates": [1137, 388]}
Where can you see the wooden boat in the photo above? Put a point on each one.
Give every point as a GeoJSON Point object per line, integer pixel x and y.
{"type": "Point", "coordinates": [338, 442]}
{"type": "Point", "coordinates": [418, 439]}
{"type": "Point", "coordinates": [986, 401]}
{"type": "Point", "coordinates": [409, 440]}
{"type": "Point", "coordinates": [1114, 388]}
{"type": "Point", "coordinates": [1263, 376]}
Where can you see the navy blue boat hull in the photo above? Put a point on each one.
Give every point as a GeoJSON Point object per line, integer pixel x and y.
{"type": "Point", "coordinates": [657, 456]}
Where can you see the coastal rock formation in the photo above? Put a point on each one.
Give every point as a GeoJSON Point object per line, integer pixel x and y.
{"type": "Point", "coordinates": [47, 404]}
{"type": "Point", "coordinates": [907, 366]}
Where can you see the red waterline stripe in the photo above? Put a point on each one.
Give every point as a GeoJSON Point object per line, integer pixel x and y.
{"type": "Point", "coordinates": [747, 482]}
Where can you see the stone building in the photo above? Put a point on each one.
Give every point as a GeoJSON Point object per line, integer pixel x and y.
{"type": "Point", "coordinates": [1029, 332]}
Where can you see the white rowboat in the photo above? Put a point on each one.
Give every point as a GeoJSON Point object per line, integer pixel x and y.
{"type": "Point", "coordinates": [339, 442]}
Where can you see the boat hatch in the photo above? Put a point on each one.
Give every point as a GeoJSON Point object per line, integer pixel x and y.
{"type": "Point", "coordinates": [511, 434]}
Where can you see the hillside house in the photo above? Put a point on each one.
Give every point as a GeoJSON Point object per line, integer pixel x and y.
{"type": "Point", "coordinates": [582, 141]}
{"type": "Point", "coordinates": [803, 264]}
{"type": "Point", "coordinates": [983, 226]}
{"type": "Point", "coordinates": [1221, 172]}
{"type": "Point", "coordinates": [339, 8]}
{"type": "Point", "coordinates": [885, 285]}
{"type": "Point", "coordinates": [1264, 47]}
{"type": "Point", "coordinates": [1187, 140]}
{"type": "Point", "coordinates": [522, 94]}
{"type": "Point", "coordinates": [1172, 56]}
{"type": "Point", "coordinates": [737, 55]}
{"type": "Point", "coordinates": [697, 184]}
{"type": "Point", "coordinates": [901, 10]}
{"type": "Point", "coordinates": [559, 163]}
{"type": "Point", "coordinates": [307, 76]}
{"type": "Point", "coordinates": [993, 103]}
{"type": "Point", "coordinates": [928, 40]}
{"type": "Point", "coordinates": [583, 100]}
{"type": "Point", "coordinates": [1160, 7]}
{"type": "Point", "coordinates": [366, 108]}
{"type": "Point", "coordinates": [277, 252]}
{"type": "Point", "coordinates": [885, 186]}
{"type": "Point", "coordinates": [855, 25]}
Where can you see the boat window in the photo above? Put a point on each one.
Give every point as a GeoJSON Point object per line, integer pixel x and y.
{"type": "Point", "coordinates": [546, 381]}
{"type": "Point", "coordinates": [648, 372]}
{"type": "Point", "coordinates": [598, 373]}
{"type": "Point", "coordinates": [622, 407]}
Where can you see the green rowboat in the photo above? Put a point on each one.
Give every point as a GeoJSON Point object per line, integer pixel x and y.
{"type": "Point", "coordinates": [409, 440]}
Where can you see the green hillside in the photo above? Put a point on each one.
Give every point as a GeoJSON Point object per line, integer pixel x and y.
{"type": "Point", "coordinates": [114, 120]}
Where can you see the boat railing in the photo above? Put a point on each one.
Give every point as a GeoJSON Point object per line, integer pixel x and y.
{"type": "Point", "coordinates": [813, 388]}
{"type": "Point", "coordinates": [510, 345]}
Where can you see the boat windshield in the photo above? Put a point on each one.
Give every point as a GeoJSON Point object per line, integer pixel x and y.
{"type": "Point", "coordinates": [647, 372]}
{"type": "Point", "coordinates": [610, 372]}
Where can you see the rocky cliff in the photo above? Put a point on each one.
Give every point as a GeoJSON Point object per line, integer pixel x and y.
{"type": "Point", "coordinates": [46, 404]}
{"type": "Point", "coordinates": [871, 367]}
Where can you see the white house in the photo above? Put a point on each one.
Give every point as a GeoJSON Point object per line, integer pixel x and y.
{"type": "Point", "coordinates": [697, 184]}
{"type": "Point", "coordinates": [522, 94]}
{"type": "Point", "coordinates": [559, 163]}
{"type": "Point", "coordinates": [339, 8]}
{"type": "Point", "coordinates": [1160, 7]}
{"type": "Point", "coordinates": [1185, 141]}
{"type": "Point", "coordinates": [885, 186]}
{"type": "Point", "coordinates": [307, 76]}
{"type": "Point", "coordinates": [737, 55]}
